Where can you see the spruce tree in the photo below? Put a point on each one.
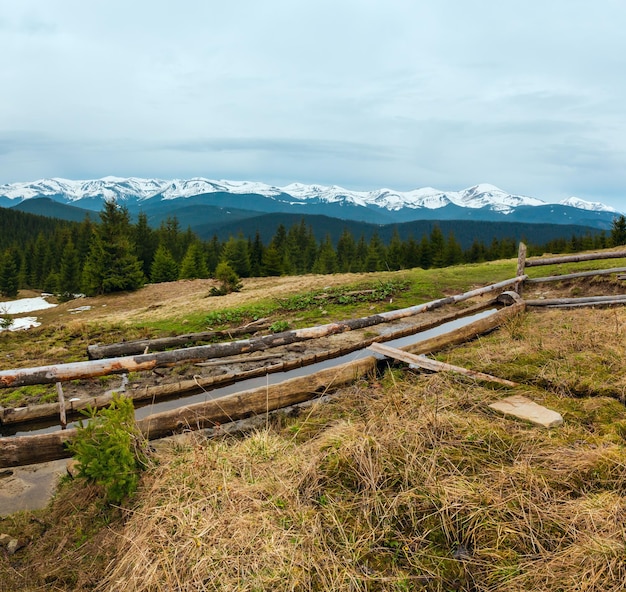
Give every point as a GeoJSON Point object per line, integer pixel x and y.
{"type": "Point", "coordinates": [327, 258]}
{"type": "Point", "coordinates": [69, 273]}
{"type": "Point", "coordinates": [618, 231]}
{"type": "Point", "coordinates": [111, 265]}
{"type": "Point", "coordinates": [164, 267]}
{"type": "Point", "coordinates": [194, 263]}
{"type": "Point", "coordinates": [235, 253]}
{"type": "Point", "coordinates": [346, 252]}
{"type": "Point", "coordinates": [8, 275]}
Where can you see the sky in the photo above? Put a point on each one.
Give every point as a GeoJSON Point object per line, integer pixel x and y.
{"type": "Point", "coordinates": [528, 96]}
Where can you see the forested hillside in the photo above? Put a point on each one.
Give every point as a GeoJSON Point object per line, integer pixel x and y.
{"type": "Point", "coordinates": [114, 253]}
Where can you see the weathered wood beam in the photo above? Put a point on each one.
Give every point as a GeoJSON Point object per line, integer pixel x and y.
{"type": "Point", "coordinates": [576, 258]}
{"type": "Point", "coordinates": [139, 346]}
{"type": "Point", "coordinates": [434, 365]}
{"type": "Point", "coordinates": [521, 264]}
{"type": "Point", "coordinates": [586, 300]}
{"type": "Point", "coordinates": [570, 276]}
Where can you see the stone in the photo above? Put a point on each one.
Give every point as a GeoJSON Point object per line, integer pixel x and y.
{"type": "Point", "coordinates": [72, 467]}
{"type": "Point", "coordinates": [4, 539]}
{"type": "Point", "coordinates": [524, 408]}
{"type": "Point", "coordinates": [15, 545]}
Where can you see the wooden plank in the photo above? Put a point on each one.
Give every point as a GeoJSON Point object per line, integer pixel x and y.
{"type": "Point", "coordinates": [576, 258]}
{"type": "Point", "coordinates": [570, 276]}
{"type": "Point", "coordinates": [434, 365]}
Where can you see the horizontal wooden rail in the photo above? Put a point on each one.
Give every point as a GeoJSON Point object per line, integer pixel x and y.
{"type": "Point", "coordinates": [575, 258]}
{"type": "Point", "coordinates": [580, 274]}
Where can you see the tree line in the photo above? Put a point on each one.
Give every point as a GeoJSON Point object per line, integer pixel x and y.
{"type": "Point", "coordinates": [116, 254]}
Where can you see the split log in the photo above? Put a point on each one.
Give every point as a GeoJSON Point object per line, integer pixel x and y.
{"type": "Point", "coordinates": [586, 300]}
{"type": "Point", "coordinates": [570, 276]}
{"type": "Point", "coordinates": [467, 332]}
{"type": "Point", "coordinates": [521, 263]}
{"type": "Point", "coordinates": [139, 346]}
{"type": "Point", "coordinates": [12, 416]}
{"type": "Point", "coordinates": [435, 365]}
{"type": "Point", "coordinates": [23, 450]}
{"type": "Point", "coordinates": [94, 368]}
{"type": "Point", "coordinates": [576, 258]}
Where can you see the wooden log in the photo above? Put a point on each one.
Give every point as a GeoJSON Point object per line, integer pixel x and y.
{"type": "Point", "coordinates": [467, 332]}
{"type": "Point", "coordinates": [255, 401]}
{"type": "Point", "coordinates": [27, 450]}
{"type": "Point", "coordinates": [435, 365]}
{"type": "Point", "coordinates": [398, 314]}
{"type": "Point", "coordinates": [62, 414]}
{"type": "Point", "coordinates": [239, 360]}
{"type": "Point", "coordinates": [588, 300]}
{"type": "Point", "coordinates": [23, 450]}
{"type": "Point", "coordinates": [570, 276]}
{"type": "Point", "coordinates": [139, 346]}
{"type": "Point", "coordinates": [11, 416]}
{"type": "Point", "coordinates": [94, 368]}
{"type": "Point", "coordinates": [521, 264]}
{"type": "Point", "coordinates": [576, 258]}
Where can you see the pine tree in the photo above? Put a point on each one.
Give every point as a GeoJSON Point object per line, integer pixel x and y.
{"type": "Point", "coordinates": [8, 275]}
{"type": "Point", "coordinates": [272, 263]}
{"type": "Point", "coordinates": [256, 249]}
{"type": "Point", "coordinates": [111, 265]}
{"type": "Point", "coordinates": [235, 253]}
{"type": "Point", "coordinates": [437, 246]}
{"type": "Point", "coordinates": [618, 231]}
{"type": "Point", "coordinates": [164, 267]}
{"type": "Point", "coordinates": [375, 254]}
{"type": "Point", "coordinates": [69, 274]}
{"type": "Point", "coordinates": [346, 252]}
{"type": "Point", "coordinates": [327, 258]}
{"type": "Point", "coordinates": [146, 242]}
{"type": "Point", "coordinates": [395, 254]}
{"type": "Point", "coordinates": [194, 264]}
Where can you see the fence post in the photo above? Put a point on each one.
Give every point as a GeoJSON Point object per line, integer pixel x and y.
{"type": "Point", "coordinates": [521, 263]}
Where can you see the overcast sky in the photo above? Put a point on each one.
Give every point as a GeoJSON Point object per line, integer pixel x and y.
{"type": "Point", "coordinates": [529, 96]}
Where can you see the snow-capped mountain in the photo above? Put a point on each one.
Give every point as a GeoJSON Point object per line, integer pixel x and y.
{"type": "Point", "coordinates": [592, 206]}
{"type": "Point", "coordinates": [478, 196]}
{"type": "Point", "coordinates": [480, 202]}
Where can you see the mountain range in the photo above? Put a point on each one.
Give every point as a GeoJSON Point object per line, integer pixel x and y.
{"type": "Point", "coordinates": [205, 204]}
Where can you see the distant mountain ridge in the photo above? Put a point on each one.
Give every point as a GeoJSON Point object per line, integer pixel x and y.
{"type": "Point", "coordinates": [159, 198]}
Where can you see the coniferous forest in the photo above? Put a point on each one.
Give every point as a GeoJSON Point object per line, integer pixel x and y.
{"type": "Point", "coordinates": [115, 254]}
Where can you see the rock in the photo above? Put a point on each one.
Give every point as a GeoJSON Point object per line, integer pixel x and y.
{"type": "Point", "coordinates": [524, 408]}
{"type": "Point", "coordinates": [72, 467]}
{"type": "Point", "coordinates": [15, 545]}
{"type": "Point", "coordinates": [4, 539]}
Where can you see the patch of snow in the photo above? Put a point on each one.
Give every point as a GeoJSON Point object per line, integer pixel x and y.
{"type": "Point", "coordinates": [79, 309]}
{"type": "Point", "coordinates": [22, 305]}
{"type": "Point", "coordinates": [23, 323]}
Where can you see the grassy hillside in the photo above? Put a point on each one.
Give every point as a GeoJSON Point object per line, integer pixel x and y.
{"type": "Point", "coordinates": [404, 481]}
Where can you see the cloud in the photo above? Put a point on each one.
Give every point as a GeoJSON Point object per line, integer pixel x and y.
{"type": "Point", "coordinates": [364, 94]}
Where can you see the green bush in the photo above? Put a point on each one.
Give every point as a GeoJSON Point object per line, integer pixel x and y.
{"type": "Point", "coordinates": [110, 449]}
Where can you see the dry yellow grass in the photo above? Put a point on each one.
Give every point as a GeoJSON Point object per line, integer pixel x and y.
{"type": "Point", "coordinates": [405, 482]}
